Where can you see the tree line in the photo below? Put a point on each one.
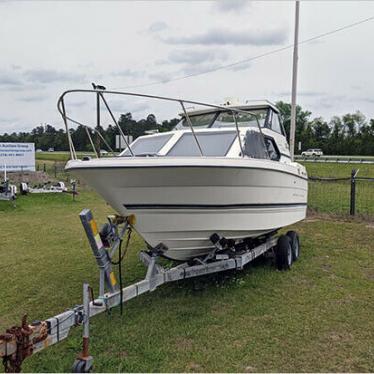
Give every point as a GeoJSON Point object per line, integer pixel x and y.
{"type": "Point", "coordinates": [350, 134]}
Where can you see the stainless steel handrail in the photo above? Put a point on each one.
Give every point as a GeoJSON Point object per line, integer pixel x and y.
{"type": "Point", "coordinates": [238, 133]}
{"type": "Point", "coordinates": [188, 119]}
{"type": "Point", "coordinates": [101, 92]}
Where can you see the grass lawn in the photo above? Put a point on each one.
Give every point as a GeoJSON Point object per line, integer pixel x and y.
{"type": "Point", "coordinates": [338, 170]}
{"type": "Point", "coordinates": [58, 156]}
{"type": "Point", "coordinates": [52, 156]}
{"type": "Point", "coordinates": [316, 317]}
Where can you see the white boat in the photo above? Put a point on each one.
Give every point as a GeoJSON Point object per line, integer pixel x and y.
{"type": "Point", "coordinates": [202, 179]}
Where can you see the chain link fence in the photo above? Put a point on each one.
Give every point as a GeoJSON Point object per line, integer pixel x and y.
{"type": "Point", "coordinates": [352, 195]}
{"type": "Point", "coordinates": [55, 169]}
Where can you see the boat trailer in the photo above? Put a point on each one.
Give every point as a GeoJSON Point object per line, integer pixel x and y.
{"type": "Point", "coordinates": [7, 191]}
{"type": "Point", "coordinates": [44, 188]}
{"type": "Point", "coordinates": [20, 342]}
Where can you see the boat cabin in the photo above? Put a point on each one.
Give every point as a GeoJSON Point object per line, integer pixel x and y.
{"type": "Point", "coordinates": [214, 133]}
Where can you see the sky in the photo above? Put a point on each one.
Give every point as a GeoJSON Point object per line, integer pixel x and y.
{"type": "Point", "coordinates": [49, 47]}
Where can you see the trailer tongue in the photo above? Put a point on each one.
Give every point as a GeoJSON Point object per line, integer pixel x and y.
{"type": "Point", "coordinates": [20, 342]}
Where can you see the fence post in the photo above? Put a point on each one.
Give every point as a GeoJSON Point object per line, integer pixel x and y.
{"type": "Point", "coordinates": [55, 169]}
{"type": "Point", "coordinates": [353, 193]}
{"type": "Point", "coordinates": [44, 168]}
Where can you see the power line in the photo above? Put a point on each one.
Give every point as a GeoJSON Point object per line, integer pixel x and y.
{"type": "Point", "coordinates": [274, 51]}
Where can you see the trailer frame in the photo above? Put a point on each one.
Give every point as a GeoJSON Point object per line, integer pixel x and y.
{"type": "Point", "coordinates": [22, 341]}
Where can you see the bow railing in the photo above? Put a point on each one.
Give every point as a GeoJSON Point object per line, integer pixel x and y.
{"type": "Point", "coordinates": [101, 97]}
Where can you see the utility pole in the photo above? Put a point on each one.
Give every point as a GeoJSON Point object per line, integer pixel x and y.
{"type": "Point", "coordinates": [294, 81]}
{"type": "Point", "coordinates": [97, 138]}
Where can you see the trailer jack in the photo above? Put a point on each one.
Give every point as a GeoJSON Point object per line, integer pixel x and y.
{"type": "Point", "coordinates": [84, 362]}
{"type": "Point", "coordinates": [21, 342]}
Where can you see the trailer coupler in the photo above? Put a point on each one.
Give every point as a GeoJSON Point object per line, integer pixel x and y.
{"type": "Point", "coordinates": [19, 343]}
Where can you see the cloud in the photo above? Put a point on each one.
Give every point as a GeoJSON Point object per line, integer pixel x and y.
{"type": "Point", "coordinates": [31, 99]}
{"type": "Point", "coordinates": [8, 119]}
{"type": "Point", "coordinates": [9, 79]}
{"type": "Point", "coordinates": [302, 93]}
{"type": "Point", "coordinates": [162, 76]}
{"type": "Point", "coordinates": [129, 73]}
{"type": "Point", "coordinates": [240, 67]}
{"type": "Point", "coordinates": [121, 106]}
{"type": "Point", "coordinates": [48, 76]}
{"type": "Point", "coordinates": [77, 104]}
{"type": "Point", "coordinates": [198, 68]}
{"type": "Point", "coordinates": [196, 57]}
{"type": "Point", "coordinates": [230, 5]}
{"type": "Point", "coordinates": [232, 37]}
{"type": "Point", "coordinates": [366, 100]}
{"type": "Point", "coordinates": [322, 104]}
{"type": "Point", "coordinates": [157, 27]}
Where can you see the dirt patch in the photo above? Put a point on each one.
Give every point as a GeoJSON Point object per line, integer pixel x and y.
{"type": "Point", "coordinates": [192, 366]}
{"type": "Point", "coordinates": [340, 337]}
{"type": "Point", "coordinates": [32, 177]}
{"type": "Point", "coordinates": [184, 343]}
{"type": "Point", "coordinates": [123, 354]}
{"type": "Point", "coordinates": [368, 273]}
{"type": "Point", "coordinates": [308, 220]}
{"type": "Point", "coordinates": [313, 216]}
{"type": "Point", "coordinates": [250, 369]}
{"type": "Point", "coordinates": [326, 267]}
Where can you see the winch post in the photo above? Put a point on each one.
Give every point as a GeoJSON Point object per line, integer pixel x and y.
{"type": "Point", "coordinates": [107, 277]}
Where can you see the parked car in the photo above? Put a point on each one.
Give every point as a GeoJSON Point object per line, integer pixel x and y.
{"type": "Point", "coordinates": [313, 152]}
{"type": "Point", "coordinates": [51, 149]}
{"type": "Point", "coordinates": [39, 150]}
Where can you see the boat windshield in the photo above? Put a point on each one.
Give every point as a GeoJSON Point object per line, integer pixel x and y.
{"type": "Point", "coordinates": [212, 144]}
{"type": "Point", "coordinates": [219, 119]}
{"type": "Point", "coordinates": [149, 145]}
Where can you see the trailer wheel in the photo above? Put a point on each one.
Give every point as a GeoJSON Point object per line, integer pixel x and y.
{"type": "Point", "coordinates": [82, 366]}
{"type": "Point", "coordinates": [283, 253]}
{"type": "Point", "coordinates": [295, 244]}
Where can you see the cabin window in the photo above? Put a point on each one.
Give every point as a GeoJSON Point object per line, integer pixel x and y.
{"type": "Point", "coordinates": [275, 124]}
{"type": "Point", "coordinates": [272, 149]}
{"type": "Point", "coordinates": [149, 145]}
{"type": "Point", "coordinates": [226, 119]}
{"type": "Point", "coordinates": [254, 146]}
{"type": "Point", "coordinates": [212, 144]}
{"type": "Point", "coordinates": [200, 120]}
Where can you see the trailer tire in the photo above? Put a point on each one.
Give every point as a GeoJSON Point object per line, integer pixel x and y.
{"type": "Point", "coordinates": [295, 244]}
{"type": "Point", "coordinates": [82, 366]}
{"type": "Point", "coordinates": [283, 253]}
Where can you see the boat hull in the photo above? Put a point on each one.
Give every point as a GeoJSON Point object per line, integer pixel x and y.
{"type": "Point", "coordinates": [181, 204]}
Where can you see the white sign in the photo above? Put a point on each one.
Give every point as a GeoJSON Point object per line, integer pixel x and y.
{"type": "Point", "coordinates": [120, 142]}
{"type": "Point", "coordinates": [17, 156]}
